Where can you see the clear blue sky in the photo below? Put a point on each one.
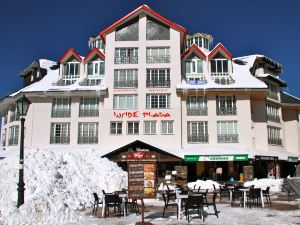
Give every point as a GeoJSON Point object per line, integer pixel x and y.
{"type": "Point", "coordinates": [35, 29]}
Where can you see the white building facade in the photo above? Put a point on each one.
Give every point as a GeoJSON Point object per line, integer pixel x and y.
{"type": "Point", "coordinates": [145, 81]}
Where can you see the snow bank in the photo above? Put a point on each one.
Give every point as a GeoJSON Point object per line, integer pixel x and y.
{"type": "Point", "coordinates": [208, 184]}
{"type": "Point", "coordinates": [274, 184]}
{"type": "Point", "coordinates": [57, 184]}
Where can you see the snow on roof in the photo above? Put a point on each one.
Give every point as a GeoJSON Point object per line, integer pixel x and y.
{"type": "Point", "coordinates": [46, 64]}
{"type": "Point", "coordinates": [241, 75]}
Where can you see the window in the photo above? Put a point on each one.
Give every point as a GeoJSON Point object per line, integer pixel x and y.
{"type": "Point", "coordinates": [116, 128]}
{"type": "Point", "coordinates": [158, 55]}
{"type": "Point", "coordinates": [125, 101]}
{"type": "Point", "coordinates": [158, 101]}
{"type": "Point", "coordinates": [87, 133]}
{"type": "Point", "coordinates": [70, 72]}
{"type": "Point", "coordinates": [194, 66]}
{"type": "Point", "coordinates": [273, 113]}
{"type": "Point", "coordinates": [61, 107]}
{"type": "Point", "coordinates": [89, 107]}
{"type": "Point", "coordinates": [273, 91]}
{"type": "Point", "coordinates": [32, 77]}
{"type": "Point", "coordinates": [133, 127]}
{"type": "Point", "coordinates": [157, 30]}
{"type": "Point", "coordinates": [226, 105]}
{"type": "Point", "coordinates": [126, 56]}
{"type": "Point", "coordinates": [14, 114]}
{"type": "Point", "coordinates": [13, 135]}
{"type": "Point", "coordinates": [150, 127]}
{"type": "Point", "coordinates": [128, 31]}
{"type": "Point", "coordinates": [197, 106]}
{"type": "Point", "coordinates": [60, 133]}
{"type": "Point", "coordinates": [158, 78]}
{"type": "Point", "coordinates": [3, 138]}
{"type": "Point", "coordinates": [126, 78]}
{"type": "Point", "coordinates": [167, 127]}
{"type": "Point", "coordinates": [95, 68]}
{"type": "Point", "coordinates": [219, 70]}
{"type": "Point", "coordinates": [4, 118]}
{"type": "Point", "coordinates": [274, 135]}
{"type": "Point", "coordinates": [201, 42]}
{"type": "Point", "coordinates": [227, 132]}
{"type": "Point", "coordinates": [197, 132]}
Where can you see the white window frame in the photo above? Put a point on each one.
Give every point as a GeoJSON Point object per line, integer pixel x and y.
{"type": "Point", "coordinates": [197, 125]}
{"type": "Point", "coordinates": [14, 135]}
{"type": "Point", "coordinates": [91, 133]}
{"type": "Point", "coordinates": [135, 129]}
{"type": "Point", "coordinates": [68, 77]}
{"type": "Point", "coordinates": [193, 65]}
{"type": "Point", "coordinates": [156, 74]}
{"type": "Point", "coordinates": [119, 74]}
{"type": "Point", "coordinates": [196, 102]}
{"type": "Point", "coordinates": [118, 127]}
{"type": "Point", "coordinates": [228, 101]}
{"type": "Point", "coordinates": [151, 98]}
{"type": "Point", "coordinates": [89, 104]}
{"type": "Point", "coordinates": [167, 127]}
{"type": "Point", "coordinates": [98, 68]}
{"type": "Point", "coordinates": [131, 54]}
{"type": "Point", "coordinates": [227, 125]}
{"type": "Point", "coordinates": [222, 72]}
{"type": "Point", "coordinates": [152, 127]}
{"type": "Point", "coordinates": [117, 101]}
{"type": "Point", "coordinates": [63, 133]}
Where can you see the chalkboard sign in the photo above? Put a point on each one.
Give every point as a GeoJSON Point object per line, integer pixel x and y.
{"type": "Point", "coordinates": [141, 180]}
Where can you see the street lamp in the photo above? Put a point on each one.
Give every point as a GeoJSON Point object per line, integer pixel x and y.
{"type": "Point", "coordinates": [22, 108]}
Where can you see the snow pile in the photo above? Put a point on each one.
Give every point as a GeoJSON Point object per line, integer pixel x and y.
{"type": "Point", "coordinates": [208, 184]}
{"type": "Point", "coordinates": [274, 184]}
{"type": "Point", "coordinates": [57, 184]}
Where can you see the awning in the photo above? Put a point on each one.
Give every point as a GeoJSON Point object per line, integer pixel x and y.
{"type": "Point", "coordinates": [196, 158]}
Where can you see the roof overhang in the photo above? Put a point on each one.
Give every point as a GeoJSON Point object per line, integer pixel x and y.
{"type": "Point", "coordinates": [30, 68]}
{"type": "Point", "coordinates": [70, 52]}
{"type": "Point", "coordinates": [282, 83]}
{"type": "Point", "coordinates": [220, 48]}
{"type": "Point", "coordinates": [193, 49]}
{"type": "Point", "coordinates": [93, 53]}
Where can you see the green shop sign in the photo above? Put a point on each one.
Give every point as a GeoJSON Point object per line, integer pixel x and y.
{"type": "Point", "coordinates": [292, 159]}
{"type": "Point", "coordinates": [196, 158]}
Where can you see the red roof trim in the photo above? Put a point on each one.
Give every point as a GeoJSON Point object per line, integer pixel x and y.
{"type": "Point", "coordinates": [218, 48]}
{"type": "Point", "coordinates": [97, 51]}
{"type": "Point", "coordinates": [193, 48]}
{"type": "Point", "coordinates": [70, 50]}
{"type": "Point", "coordinates": [147, 9]}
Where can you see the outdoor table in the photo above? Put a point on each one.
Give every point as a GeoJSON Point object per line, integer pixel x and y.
{"type": "Point", "coordinates": [230, 192]}
{"type": "Point", "coordinates": [245, 190]}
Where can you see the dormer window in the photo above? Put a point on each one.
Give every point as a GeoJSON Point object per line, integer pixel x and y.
{"type": "Point", "coordinates": [194, 70]}
{"type": "Point", "coordinates": [95, 72]}
{"type": "Point", "coordinates": [201, 42]}
{"type": "Point", "coordinates": [219, 70]}
{"type": "Point", "coordinates": [71, 72]}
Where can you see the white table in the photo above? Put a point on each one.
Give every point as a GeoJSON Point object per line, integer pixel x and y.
{"type": "Point", "coordinates": [123, 196]}
{"type": "Point", "coordinates": [245, 190]}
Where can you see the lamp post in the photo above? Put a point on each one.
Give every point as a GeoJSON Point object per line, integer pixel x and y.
{"type": "Point", "coordinates": [22, 108]}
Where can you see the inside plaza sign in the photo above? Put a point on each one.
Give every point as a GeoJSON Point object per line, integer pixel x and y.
{"type": "Point", "coordinates": [136, 114]}
{"type": "Point", "coordinates": [197, 158]}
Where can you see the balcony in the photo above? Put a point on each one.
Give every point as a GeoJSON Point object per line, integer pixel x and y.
{"type": "Point", "coordinates": [201, 111]}
{"type": "Point", "coordinates": [88, 112]}
{"type": "Point", "coordinates": [195, 79]}
{"type": "Point", "coordinates": [275, 141]}
{"type": "Point", "coordinates": [222, 78]}
{"type": "Point", "coordinates": [70, 79]}
{"type": "Point", "coordinates": [158, 83]}
{"type": "Point", "coordinates": [88, 140]}
{"type": "Point", "coordinates": [94, 81]}
{"type": "Point", "coordinates": [158, 59]}
{"type": "Point", "coordinates": [13, 141]}
{"type": "Point", "coordinates": [228, 138]}
{"type": "Point", "coordinates": [60, 140]}
{"type": "Point", "coordinates": [273, 118]}
{"type": "Point", "coordinates": [126, 60]}
{"type": "Point", "coordinates": [226, 111]}
{"type": "Point", "coordinates": [126, 84]}
{"type": "Point", "coordinates": [61, 113]}
{"type": "Point", "coordinates": [272, 95]}
{"type": "Point", "coordinates": [201, 138]}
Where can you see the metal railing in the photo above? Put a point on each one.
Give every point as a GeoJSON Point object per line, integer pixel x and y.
{"type": "Point", "coordinates": [272, 95]}
{"type": "Point", "coordinates": [201, 111]}
{"type": "Point", "coordinates": [228, 138]}
{"type": "Point", "coordinates": [88, 112]}
{"type": "Point", "coordinates": [222, 78]}
{"type": "Point", "coordinates": [200, 138]}
{"type": "Point", "coordinates": [158, 59]}
{"type": "Point", "coordinates": [13, 141]}
{"type": "Point", "coordinates": [275, 141]}
{"type": "Point", "coordinates": [94, 81]}
{"type": "Point", "coordinates": [158, 83]}
{"type": "Point", "coordinates": [274, 118]}
{"type": "Point", "coordinates": [59, 139]}
{"type": "Point", "coordinates": [88, 140]}
{"type": "Point", "coordinates": [126, 84]}
{"type": "Point", "coordinates": [126, 60]}
{"type": "Point", "coordinates": [61, 113]}
{"type": "Point", "coordinates": [226, 111]}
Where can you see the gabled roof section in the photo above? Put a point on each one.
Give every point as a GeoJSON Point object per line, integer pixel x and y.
{"type": "Point", "coordinates": [220, 48]}
{"type": "Point", "coordinates": [92, 53]}
{"type": "Point", "coordinates": [288, 99]}
{"type": "Point", "coordinates": [148, 11]}
{"type": "Point", "coordinates": [194, 48]}
{"type": "Point", "coordinates": [68, 54]}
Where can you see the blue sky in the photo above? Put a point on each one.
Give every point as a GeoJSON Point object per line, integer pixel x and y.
{"type": "Point", "coordinates": [35, 29]}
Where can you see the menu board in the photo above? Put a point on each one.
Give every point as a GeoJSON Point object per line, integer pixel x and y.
{"type": "Point", "coordinates": [141, 180]}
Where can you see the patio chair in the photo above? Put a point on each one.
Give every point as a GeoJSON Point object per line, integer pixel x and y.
{"type": "Point", "coordinates": [96, 203]}
{"type": "Point", "coordinates": [172, 194]}
{"type": "Point", "coordinates": [134, 205]}
{"type": "Point", "coordinates": [266, 193]}
{"type": "Point", "coordinates": [112, 201]}
{"type": "Point", "coordinates": [223, 192]}
{"type": "Point", "coordinates": [213, 203]}
{"type": "Point", "coordinates": [253, 197]}
{"type": "Point", "coordinates": [194, 203]}
{"type": "Point", "coordinates": [169, 203]}
{"type": "Point", "coordinates": [236, 195]}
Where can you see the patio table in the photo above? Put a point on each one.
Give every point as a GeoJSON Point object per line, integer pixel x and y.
{"type": "Point", "coordinates": [245, 190]}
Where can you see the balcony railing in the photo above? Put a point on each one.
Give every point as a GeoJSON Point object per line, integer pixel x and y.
{"type": "Point", "coordinates": [89, 112]}
{"type": "Point", "coordinates": [158, 59]}
{"type": "Point", "coordinates": [226, 111]}
{"type": "Point", "coordinates": [158, 83]}
{"type": "Point", "coordinates": [274, 118]}
{"type": "Point", "coordinates": [228, 138]}
{"type": "Point", "coordinates": [195, 79]}
{"type": "Point", "coordinates": [126, 60]}
{"type": "Point", "coordinates": [59, 140]}
{"type": "Point", "coordinates": [13, 141]}
{"type": "Point", "coordinates": [61, 113]}
{"type": "Point", "coordinates": [222, 78]}
{"type": "Point", "coordinates": [201, 138]}
{"type": "Point", "coordinates": [275, 141]}
{"type": "Point", "coordinates": [126, 84]}
{"type": "Point", "coordinates": [201, 111]}
{"type": "Point", "coordinates": [272, 95]}
{"type": "Point", "coordinates": [88, 140]}
{"type": "Point", "coordinates": [70, 79]}
{"type": "Point", "coordinates": [94, 81]}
